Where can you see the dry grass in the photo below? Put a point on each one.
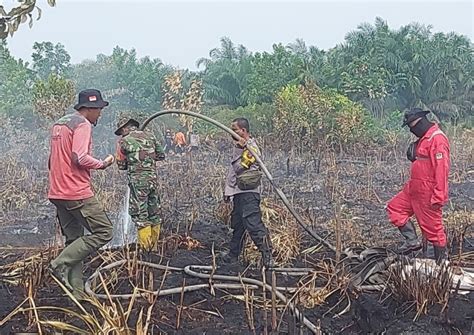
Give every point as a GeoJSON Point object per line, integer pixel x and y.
{"type": "Point", "coordinates": [107, 317]}
{"type": "Point", "coordinates": [223, 212]}
{"type": "Point", "coordinates": [28, 272]}
{"type": "Point", "coordinates": [351, 233]}
{"type": "Point", "coordinates": [23, 170]}
{"type": "Point", "coordinates": [21, 188]}
{"type": "Point", "coordinates": [100, 317]}
{"type": "Point", "coordinates": [184, 183]}
{"type": "Point", "coordinates": [424, 284]}
{"type": "Point", "coordinates": [459, 222]}
{"type": "Point", "coordinates": [110, 187]}
{"type": "Point", "coordinates": [315, 288]}
{"type": "Point", "coordinates": [11, 197]}
{"type": "Point", "coordinates": [174, 241]}
{"type": "Point", "coordinates": [284, 232]}
{"type": "Point", "coordinates": [460, 228]}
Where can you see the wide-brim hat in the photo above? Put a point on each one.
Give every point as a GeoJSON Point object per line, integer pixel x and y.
{"type": "Point", "coordinates": [413, 114]}
{"type": "Point", "coordinates": [91, 99]}
{"type": "Point", "coordinates": [126, 123]}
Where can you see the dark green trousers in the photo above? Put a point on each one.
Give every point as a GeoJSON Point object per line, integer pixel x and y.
{"type": "Point", "coordinates": [75, 216]}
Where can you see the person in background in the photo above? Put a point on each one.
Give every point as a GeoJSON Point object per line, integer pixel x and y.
{"type": "Point", "coordinates": [168, 141]}
{"type": "Point", "coordinates": [194, 141]}
{"type": "Point", "coordinates": [180, 142]}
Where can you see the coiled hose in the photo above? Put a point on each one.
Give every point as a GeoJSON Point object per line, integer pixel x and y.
{"type": "Point", "coordinates": [190, 271]}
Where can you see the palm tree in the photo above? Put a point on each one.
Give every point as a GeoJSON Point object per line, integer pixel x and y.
{"type": "Point", "coordinates": [227, 51]}
{"type": "Point", "coordinates": [225, 73]}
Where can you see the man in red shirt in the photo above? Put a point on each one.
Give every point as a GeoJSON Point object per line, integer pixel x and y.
{"type": "Point", "coordinates": [70, 165]}
{"type": "Point", "coordinates": [180, 142]}
{"type": "Point", "coordinates": [426, 192]}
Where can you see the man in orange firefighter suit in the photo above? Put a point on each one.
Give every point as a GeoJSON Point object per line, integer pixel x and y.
{"type": "Point", "coordinates": [426, 192]}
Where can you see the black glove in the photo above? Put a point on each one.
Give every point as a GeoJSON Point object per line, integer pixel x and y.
{"type": "Point", "coordinates": [411, 151]}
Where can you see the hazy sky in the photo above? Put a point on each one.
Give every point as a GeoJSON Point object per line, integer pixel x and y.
{"type": "Point", "coordinates": [180, 32]}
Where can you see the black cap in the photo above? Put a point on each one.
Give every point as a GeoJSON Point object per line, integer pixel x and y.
{"type": "Point", "coordinates": [413, 114]}
{"type": "Point", "coordinates": [90, 98]}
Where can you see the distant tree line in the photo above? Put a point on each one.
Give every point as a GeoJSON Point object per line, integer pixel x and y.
{"type": "Point", "coordinates": [383, 70]}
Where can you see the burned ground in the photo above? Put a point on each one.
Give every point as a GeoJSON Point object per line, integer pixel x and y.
{"type": "Point", "coordinates": [332, 192]}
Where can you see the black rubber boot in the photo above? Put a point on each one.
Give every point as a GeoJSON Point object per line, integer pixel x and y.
{"type": "Point", "coordinates": [440, 254]}
{"type": "Point", "coordinates": [411, 239]}
{"type": "Point", "coordinates": [229, 258]}
{"type": "Point", "coordinates": [267, 259]}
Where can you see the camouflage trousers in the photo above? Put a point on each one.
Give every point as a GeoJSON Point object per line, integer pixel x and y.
{"type": "Point", "coordinates": [144, 203]}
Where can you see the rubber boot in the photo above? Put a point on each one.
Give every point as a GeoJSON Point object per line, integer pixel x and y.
{"type": "Point", "coordinates": [148, 237]}
{"type": "Point", "coordinates": [229, 258]}
{"type": "Point", "coordinates": [156, 229]}
{"type": "Point", "coordinates": [61, 273]}
{"type": "Point", "coordinates": [411, 239]}
{"type": "Point", "coordinates": [267, 259]}
{"type": "Point", "coordinates": [67, 260]}
{"type": "Point", "coordinates": [77, 281]}
{"type": "Point", "coordinates": [440, 254]}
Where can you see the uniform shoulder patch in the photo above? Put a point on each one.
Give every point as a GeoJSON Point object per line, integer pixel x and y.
{"type": "Point", "coordinates": [439, 155]}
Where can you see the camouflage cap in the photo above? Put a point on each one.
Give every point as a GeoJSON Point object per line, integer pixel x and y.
{"type": "Point", "coordinates": [125, 121]}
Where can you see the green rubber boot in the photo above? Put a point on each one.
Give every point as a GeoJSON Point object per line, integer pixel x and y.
{"type": "Point", "coordinates": [67, 267]}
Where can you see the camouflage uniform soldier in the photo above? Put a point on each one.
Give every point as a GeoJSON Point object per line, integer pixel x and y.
{"type": "Point", "coordinates": [137, 152]}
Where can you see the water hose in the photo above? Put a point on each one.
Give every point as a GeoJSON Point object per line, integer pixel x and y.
{"type": "Point", "coordinates": [241, 282]}
{"type": "Point", "coordinates": [97, 273]}
{"type": "Point", "coordinates": [188, 270]}
{"type": "Point", "coordinates": [280, 193]}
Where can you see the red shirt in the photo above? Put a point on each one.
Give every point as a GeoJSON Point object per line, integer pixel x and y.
{"type": "Point", "coordinates": [70, 160]}
{"type": "Point", "coordinates": [179, 139]}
